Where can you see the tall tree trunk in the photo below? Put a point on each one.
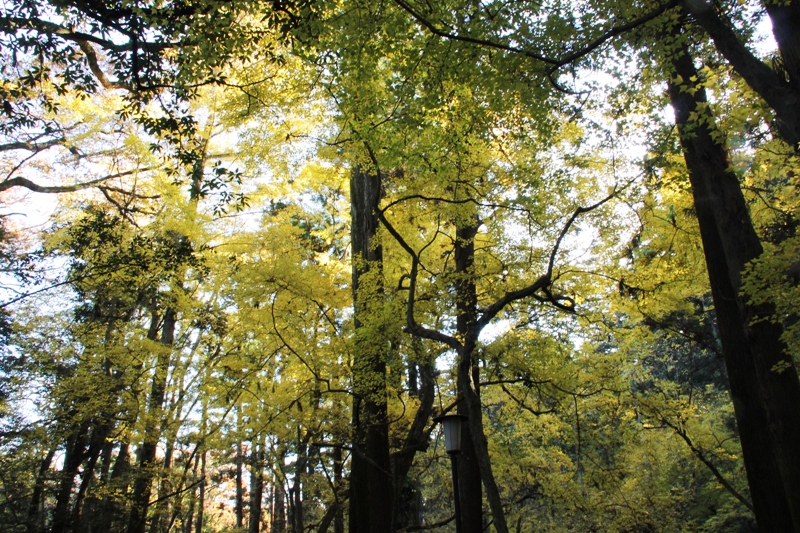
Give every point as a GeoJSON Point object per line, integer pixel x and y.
{"type": "Point", "coordinates": [97, 442]}
{"type": "Point", "coordinates": [34, 524]}
{"type": "Point", "coordinates": [158, 524]}
{"type": "Point", "coordinates": [406, 494]}
{"type": "Point", "coordinates": [96, 506]}
{"type": "Point", "coordinates": [338, 467]}
{"type": "Point", "coordinates": [256, 486]}
{"type": "Point", "coordinates": [278, 524]}
{"type": "Point", "coordinates": [469, 473]}
{"type": "Point", "coordinates": [300, 465]}
{"type": "Point", "coordinates": [765, 402]}
{"type": "Point", "coordinates": [75, 452]}
{"type": "Point", "coordinates": [189, 522]}
{"type": "Point", "coordinates": [111, 507]}
{"type": "Point", "coordinates": [782, 95]}
{"type": "Point", "coordinates": [147, 453]}
{"type": "Point", "coordinates": [201, 497]}
{"type": "Point", "coordinates": [785, 18]}
{"type": "Point", "coordinates": [239, 470]}
{"type": "Point", "coordinates": [371, 487]}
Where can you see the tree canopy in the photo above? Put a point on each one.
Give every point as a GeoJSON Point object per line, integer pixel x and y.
{"type": "Point", "coordinates": [251, 250]}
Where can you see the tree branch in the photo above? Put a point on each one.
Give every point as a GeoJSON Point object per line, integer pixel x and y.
{"type": "Point", "coordinates": [544, 280]}
{"type": "Point", "coordinates": [11, 25]}
{"type": "Point", "coordinates": [411, 325]}
{"type": "Point", "coordinates": [91, 58]}
{"type": "Point", "coordinates": [32, 146]}
{"type": "Point", "coordinates": [555, 63]}
{"type": "Point", "coordinates": [714, 470]}
{"type": "Point", "coordinates": [28, 184]}
{"type": "Point", "coordinates": [775, 91]}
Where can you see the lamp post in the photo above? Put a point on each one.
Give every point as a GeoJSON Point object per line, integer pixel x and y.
{"type": "Point", "coordinates": [452, 443]}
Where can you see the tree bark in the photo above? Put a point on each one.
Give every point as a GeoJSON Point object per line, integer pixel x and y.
{"type": "Point", "coordinates": [407, 508]}
{"type": "Point", "coordinates": [189, 522]}
{"type": "Point", "coordinates": [73, 457]}
{"type": "Point", "coordinates": [779, 94]}
{"type": "Point", "coordinates": [34, 524]}
{"type": "Point", "coordinates": [256, 487]}
{"type": "Point", "coordinates": [97, 442]}
{"type": "Point", "coordinates": [785, 18]}
{"type": "Point", "coordinates": [765, 401]}
{"type": "Point", "coordinates": [201, 497]}
{"type": "Point", "coordinates": [338, 466]}
{"type": "Point", "coordinates": [239, 470]}
{"type": "Point", "coordinates": [159, 521]}
{"type": "Point", "coordinates": [279, 508]}
{"type": "Point", "coordinates": [406, 511]}
{"type": "Point", "coordinates": [371, 483]}
{"type": "Point", "coordinates": [300, 465]}
{"type": "Point", "coordinates": [147, 453]}
{"type": "Point", "coordinates": [469, 472]}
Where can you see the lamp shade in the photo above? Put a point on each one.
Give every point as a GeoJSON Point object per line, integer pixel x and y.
{"type": "Point", "coordinates": [452, 431]}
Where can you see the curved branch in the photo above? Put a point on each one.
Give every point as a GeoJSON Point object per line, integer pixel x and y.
{"type": "Point", "coordinates": [703, 459]}
{"type": "Point", "coordinates": [94, 66]}
{"type": "Point", "coordinates": [555, 63]}
{"type": "Point", "coordinates": [11, 25]}
{"type": "Point", "coordinates": [32, 146]}
{"type": "Point", "coordinates": [411, 325]}
{"type": "Point", "coordinates": [545, 279]}
{"type": "Point", "coordinates": [776, 91]}
{"type": "Point", "coordinates": [55, 189]}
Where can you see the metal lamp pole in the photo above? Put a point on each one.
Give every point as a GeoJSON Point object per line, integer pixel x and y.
{"type": "Point", "coordinates": [452, 440]}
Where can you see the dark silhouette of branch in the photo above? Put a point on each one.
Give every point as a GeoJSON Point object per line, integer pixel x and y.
{"type": "Point", "coordinates": [11, 25]}
{"type": "Point", "coordinates": [32, 146]}
{"type": "Point", "coordinates": [545, 280]}
{"type": "Point", "coordinates": [714, 470]}
{"type": "Point", "coordinates": [94, 66]}
{"type": "Point", "coordinates": [55, 189]}
{"type": "Point", "coordinates": [555, 63]}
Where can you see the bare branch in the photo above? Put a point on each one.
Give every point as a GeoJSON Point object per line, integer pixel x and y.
{"type": "Point", "coordinates": [91, 57]}
{"type": "Point", "coordinates": [32, 146]}
{"type": "Point", "coordinates": [11, 25]}
{"type": "Point", "coordinates": [411, 325]}
{"type": "Point", "coordinates": [545, 279]}
{"type": "Point", "coordinates": [555, 63]}
{"type": "Point", "coordinates": [714, 470]}
{"type": "Point", "coordinates": [28, 184]}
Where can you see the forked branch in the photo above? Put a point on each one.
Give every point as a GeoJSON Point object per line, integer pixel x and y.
{"type": "Point", "coordinates": [545, 280]}
{"type": "Point", "coordinates": [553, 62]}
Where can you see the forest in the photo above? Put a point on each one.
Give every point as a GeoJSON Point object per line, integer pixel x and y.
{"type": "Point", "coordinates": [250, 250]}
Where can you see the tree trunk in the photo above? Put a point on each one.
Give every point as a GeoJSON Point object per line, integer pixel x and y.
{"type": "Point", "coordinates": [300, 465]}
{"type": "Point", "coordinates": [785, 18]}
{"type": "Point", "coordinates": [371, 487]}
{"type": "Point", "coordinates": [147, 453]}
{"type": "Point", "coordinates": [111, 508]}
{"type": "Point", "coordinates": [34, 524]}
{"type": "Point", "coordinates": [189, 522]}
{"type": "Point", "coordinates": [765, 401]}
{"type": "Point", "coordinates": [338, 465]}
{"type": "Point", "coordinates": [201, 498]}
{"type": "Point", "coordinates": [279, 508]}
{"type": "Point", "coordinates": [75, 450]}
{"type": "Point", "coordinates": [97, 442]}
{"type": "Point", "coordinates": [779, 94]}
{"type": "Point", "coordinates": [239, 470]}
{"type": "Point", "coordinates": [158, 524]}
{"type": "Point", "coordinates": [256, 487]}
{"type": "Point", "coordinates": [406, 494]}
{"type": "Point", "coordinates": [469, 474]}
{"type": "Point", "coordinates": [474, 464]}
